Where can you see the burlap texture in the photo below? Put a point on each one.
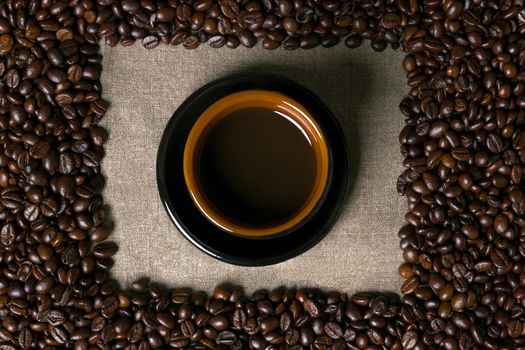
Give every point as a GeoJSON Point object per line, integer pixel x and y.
{"type": "Point", "coordinates": [363, 89]}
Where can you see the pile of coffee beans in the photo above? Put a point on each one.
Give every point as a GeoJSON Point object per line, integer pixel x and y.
{"type": "Point", "coordinates": [463, 144]}
{"type": "Point", "coordinates": [291, 24]}
{"type": "Point", "coordinates": [464, 152]}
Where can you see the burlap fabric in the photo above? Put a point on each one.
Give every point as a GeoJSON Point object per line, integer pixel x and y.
{"type": "Point", "coordinates": [363, 89]}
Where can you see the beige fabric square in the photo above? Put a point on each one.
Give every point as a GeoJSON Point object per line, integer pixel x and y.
{"type": "Point", "coordinates": [363, 89]}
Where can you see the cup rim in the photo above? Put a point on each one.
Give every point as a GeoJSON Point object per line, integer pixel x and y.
{"type": "Point", "coordinates": [249, 99]}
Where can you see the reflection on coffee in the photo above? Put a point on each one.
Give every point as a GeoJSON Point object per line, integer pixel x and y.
{"type": "Point", "coordinates": [257, 166]}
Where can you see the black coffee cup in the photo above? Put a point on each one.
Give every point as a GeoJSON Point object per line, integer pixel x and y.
{"type": "Point", "coordinates": [191, 219]}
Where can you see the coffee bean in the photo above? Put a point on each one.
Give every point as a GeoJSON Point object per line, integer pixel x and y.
{"type": "Point", "coordinates": [329, 41]}
{"type": "Point", "coordinates": [304, 15]}
{"type": "Point", "coordinates": [461, 321]}
{"type": "Point", "coordinates": [25, 338]}
{"type": "Point", "coordinates": [150, 42]}
{"type": "Point", "coordinates": [217, 41]}
{"type": "Point", "coordinates": [353, 41]}
{"type": "Point", "coordinates": [453, 9]}
{"type": "Point", "coordinates": [499, 258]}
{"type": "Point", "coordinates": [64, 34]}
{"type": "Point", "coordinates": [105, 250]}
{"type": "Point", "coordinates": [100, 234]}
{"type": "Point", "coordinates": [375, 336]}
{"type": "Point", "coordinates": [130, 6]}
{"type": "Point", "coordinates": [290, 43]}
{"type": "Point", "coordinates": [438, 129]}
{"type": "Point", "coordinates": [309, 42]}
{"type": "Point", "coordinates": [7, 347]}
{"type": "Point", "coordinates": [74, 73]}
{"type": "Point", "coordinates": [269, 324]}
{"type": "Point", "coordinates": [191, 42]}
{"type": "Point", "coordinates": [6, 43]}
{"type": "Point", "coordinates": [12, 78]}
{"type": "Point", "coordinates": [494, 143]}
{"type": "Point", "coordinates": [232, 42]}
{"type": "Point", "coordinates": [391, 20]}
{"type": "Point", "coordinates": [54, 317]}
{"type": "Point", "coordinates": [269, 44]}
{"type": "Point", "coordinates": [229, 8]}
{"type": "Point", "coordinates": [518, 140]}
{"type": "Point", "coordinates": [409, 340]}
{"type": "Point", "coordinates": [219, 322]}
{"type": "Point", "coordinates": [43, 286]}
{"type": "Point", "coordinates": [59, 335]}
{"type": "Point", "coordinates": [66, 163]}
{"type": "Point", "coordinates": [285, 7]}
{"type": "Point", "coordinates": [166, 14]}
{"type": "Point", "coordinates": [7, 235]}
{"type": "Point", "coordinates": [333, 330]}
{"type": "Point", "coordinates": [188, 328]}
{"type": "Point", "coordinates": [410, 285]}
{"type": "Point", "coordinates": [65, 185]}
{"type": "Point", "coordinates": [312, 308]}
{"type": "Point", "coordinates": [247, 39]}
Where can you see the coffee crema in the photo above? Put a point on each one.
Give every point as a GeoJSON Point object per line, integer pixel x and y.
{"type": "Point", "coordinates": [257, 166]}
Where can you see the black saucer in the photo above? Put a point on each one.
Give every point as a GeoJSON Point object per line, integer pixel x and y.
{"type": "Point", "coordinates": [206, 236]}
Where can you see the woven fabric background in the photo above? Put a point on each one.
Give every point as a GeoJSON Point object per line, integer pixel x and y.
{"type": "Point", "coordinates": [363, 89]}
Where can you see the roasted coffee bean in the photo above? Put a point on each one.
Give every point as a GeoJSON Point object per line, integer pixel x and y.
{"type": "Point", "coordinates": [333, 330]}
{"type": "Point", "coordinates": [409, 340]}
{"type": "Point", "coordinates": [191, 42]}
{"type": "Point", "coordinates": [219, 322]}
{"type": "Point", "coordinates": [217, 41]}
{"type": "Point", "coordinates": [105, 250]}
{"type": "Point", "coordinates": [312, 308]}
{"type": "Point", "coordinates": [25, 338]}
{"type": "Point", "coordinates": [391, 20]}
{"type": "Point", "coordinates": [6, 43]}
{"type": "Point", "coordinates": [269, 44]}
{"type": "Point", "coordinates": [304, 14]}
{"type": "Point", "coordinates": [353, 41]}
{"type": "Point", "coordinates": [229, 8]}
{"type": "Point", "coordinates": [150, 42]}
{"type": "Point", "coordinates": [290, 43]}
{"type": "Point", "coordinates": [247, 39]}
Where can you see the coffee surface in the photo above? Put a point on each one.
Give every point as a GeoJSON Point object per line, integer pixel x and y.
{"type": "Point", "coordinates": [257, 166]}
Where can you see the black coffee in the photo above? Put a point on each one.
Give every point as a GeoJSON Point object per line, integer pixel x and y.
{"type": "Point", "coordinates": [257, 166]}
